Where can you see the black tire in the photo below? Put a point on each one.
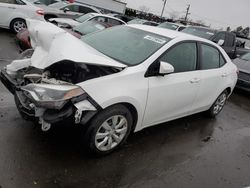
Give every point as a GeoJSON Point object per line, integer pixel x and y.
{"type": "Point", "coordinates": [15, 22]}
{"type": "Point", "coordinates": [96, 124]}
{"type": "Point", "coordinates": [213, 111]}
{"type": "Point", "coordinates": [49, 16]}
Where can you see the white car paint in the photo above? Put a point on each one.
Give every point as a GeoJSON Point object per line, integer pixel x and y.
{"type": "Point", "coordinates": [73, 23]}
{"type": "Point", "coordinates": [156, 99]}
{"type": "Point", "coordinates": [9, 12]}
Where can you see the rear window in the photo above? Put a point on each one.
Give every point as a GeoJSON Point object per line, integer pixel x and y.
{"type": "Point", "coordinates": [199, 32]}
{"type": "Point", "coordinates": [168, 26]}
{"type": "Point", "coordinates": [85, 17]}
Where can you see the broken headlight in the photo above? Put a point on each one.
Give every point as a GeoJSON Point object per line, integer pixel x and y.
{"type": "Point", "coordinates": [51, 96]}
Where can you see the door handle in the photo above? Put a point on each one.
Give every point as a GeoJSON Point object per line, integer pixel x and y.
{"type": "Point", "coordinates": [195, 80]}
{"type": "Point", "coordinates": [12, 7]}
{"type": "Point", "coordinates": [224, 75]}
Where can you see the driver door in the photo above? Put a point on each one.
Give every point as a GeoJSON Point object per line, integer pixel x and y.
{"type": "Point", "coordinates": [172, 96]}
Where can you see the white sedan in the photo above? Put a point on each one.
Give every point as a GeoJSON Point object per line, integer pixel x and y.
{"type": "Point", "coordinates": [14, 12]}
{"type": "Point", "coordinates": [119, 80]}
{"type": "Point", "coordinates": [70, 23]}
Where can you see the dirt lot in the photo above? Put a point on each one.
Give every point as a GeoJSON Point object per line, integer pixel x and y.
{"type": "Point", "coordinates": [190, 152]}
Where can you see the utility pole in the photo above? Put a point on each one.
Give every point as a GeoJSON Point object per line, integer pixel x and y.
{"type": "Point", "coordinates": [164, 5]}
{"type": "Point", "coordinates": [187, 13]}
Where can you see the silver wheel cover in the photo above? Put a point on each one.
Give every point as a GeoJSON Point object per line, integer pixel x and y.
{"type": "Point", "coordinates": [111, 132]}
{"type": "Point", "coordinates": [220, 102]}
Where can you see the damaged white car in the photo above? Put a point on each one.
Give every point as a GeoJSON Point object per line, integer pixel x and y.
{"type": "Point", "coordinates": [119, 80]}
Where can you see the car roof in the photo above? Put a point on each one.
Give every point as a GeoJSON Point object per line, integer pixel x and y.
{"type": "Point", "coordinates": [107, 16]}
{"type": "Point", "coordinates": [168, 33]}
{"type": "Point", "coordinates": [66, 3]}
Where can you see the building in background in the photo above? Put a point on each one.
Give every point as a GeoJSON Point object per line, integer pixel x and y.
{"type": "Point", "coordinates": [113, 6]}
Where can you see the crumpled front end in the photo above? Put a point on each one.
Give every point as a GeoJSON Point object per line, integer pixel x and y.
{"type": "Point", "coordinates": [44, 80]}
{"type": "Point", "coordinates": [47, 100]}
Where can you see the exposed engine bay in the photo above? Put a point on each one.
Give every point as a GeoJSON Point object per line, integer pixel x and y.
{"type": "Point", "coordinates": [64, 72]}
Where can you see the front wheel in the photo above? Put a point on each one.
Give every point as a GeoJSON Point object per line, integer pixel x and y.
{"type": "Point", "coordinates": [17, 25]}
{"type": "Point", "coordinates": [108, 130]}
{"type": "Point", "coordinates": [218, 104]}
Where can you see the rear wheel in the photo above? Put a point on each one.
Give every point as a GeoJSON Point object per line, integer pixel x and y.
{"type": "Point", "coordinates": [218, 104]}
{"type": "Point", "coordinates": [17, 25]}
{"type": "Point", "coordinates": [108, 130]}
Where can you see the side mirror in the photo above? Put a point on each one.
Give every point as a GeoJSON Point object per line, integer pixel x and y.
{"type": "Point", "coordinates": [220, 42]}
{"type": "Point", "coordinates": [65, 10]}
{"type": "Point", "coordinates": [165, 68]}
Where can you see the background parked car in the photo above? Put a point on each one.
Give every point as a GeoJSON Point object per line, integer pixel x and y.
{"type": "Point", "coordinates": [227, 40]}
{"type": "Point", "coordinates": [243, 64]}
{"type": "Point", "coordinates": [23, 39]}
{"type": "Point", "coordinates": [14, 12]}
{"type": "Point", "coordinates": [172, 26]}
{"type": "Point", "coordinates": [67, 22]}
{"type": "Point", "coordinates": [67, 10]}
{"type": "Point", "coordinates": [143, 22]}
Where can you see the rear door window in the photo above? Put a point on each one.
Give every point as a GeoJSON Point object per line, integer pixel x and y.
{"type": "Point", "coordinates": [210, 57]}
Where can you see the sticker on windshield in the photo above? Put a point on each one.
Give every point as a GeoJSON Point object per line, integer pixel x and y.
{"type": "Point", "coordinates": [154, 39]}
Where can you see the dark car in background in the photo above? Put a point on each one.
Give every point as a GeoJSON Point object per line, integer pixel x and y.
{"type": "Point", "coordinates": [243, 64]}
{"type": "Point", "coordinates": [85, 28]}
{"type": "Point", "coordinates": [227, 40]}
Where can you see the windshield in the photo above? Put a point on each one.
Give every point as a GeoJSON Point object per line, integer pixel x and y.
{"type": "Point", "coordinates": [125, 44]}
{"type": "Point", "coordinates": [136, 21]}
{"type": "Point", "coordinates": [200, 32]}
{"type": "Point", "coordinates": [246, 57]}
{"type": "Point", "coordinates": [85, 17]}
{"type": "Point", "coordinates": [168, 26]}
{"type": "Point", "coordinates": [89, 27]}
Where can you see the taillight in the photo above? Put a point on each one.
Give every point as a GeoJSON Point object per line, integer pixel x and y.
{"type": "Point", "coordinates": [40, 12]}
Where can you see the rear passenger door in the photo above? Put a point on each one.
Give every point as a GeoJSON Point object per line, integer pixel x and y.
{"type": "Point", "coordinates": [212, 76]}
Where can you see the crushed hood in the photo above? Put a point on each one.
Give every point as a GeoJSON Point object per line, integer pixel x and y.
{"type": "Point", "coordinates": [52, 44]}
{"type": "Point", "coordinates": [68, 21]}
